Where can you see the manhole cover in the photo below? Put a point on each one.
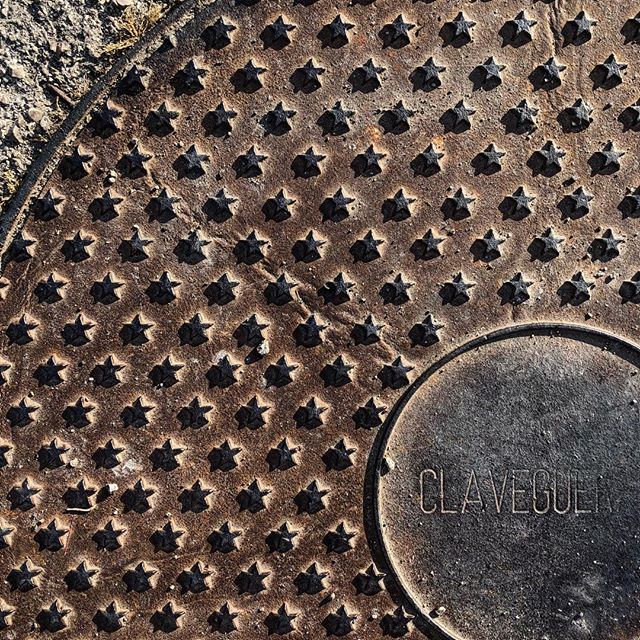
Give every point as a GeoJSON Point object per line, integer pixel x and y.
{"type": "Point", "coordinates": [270, 221]}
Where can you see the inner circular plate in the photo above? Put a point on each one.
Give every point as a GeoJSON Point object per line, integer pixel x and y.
{"type": "Point", "coordinates": [508, 489]}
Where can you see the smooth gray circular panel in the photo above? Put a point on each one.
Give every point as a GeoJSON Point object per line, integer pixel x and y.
{"type": "Point", "coordinates": [508, 489]}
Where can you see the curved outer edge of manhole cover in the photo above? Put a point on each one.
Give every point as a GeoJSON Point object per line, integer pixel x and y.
{"type": "Point", "coordinates": [378, 465]}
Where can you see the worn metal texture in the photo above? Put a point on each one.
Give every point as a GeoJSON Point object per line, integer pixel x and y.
{"type": "Point", "coordinates": [269, 226]}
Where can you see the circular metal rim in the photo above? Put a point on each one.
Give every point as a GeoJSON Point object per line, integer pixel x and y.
{"type": "Point", "coordinates": [620, 347]}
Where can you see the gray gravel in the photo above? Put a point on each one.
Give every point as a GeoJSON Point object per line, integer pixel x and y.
{"type": "Point", "coordinates": [51, 51]}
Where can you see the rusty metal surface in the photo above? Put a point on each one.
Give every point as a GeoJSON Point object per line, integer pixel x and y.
{"type": "Point", "coordinates": [131, 356]}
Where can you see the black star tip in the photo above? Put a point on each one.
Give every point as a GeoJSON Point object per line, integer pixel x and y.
{"type": "Point", "coordinates": [191, 249]}
{"type": "Point", "coordinates": [310, 500]}
{"type": "Point", "coordinates": [276, 121]}
{"type": "Point", "coordinates": [366, 78]}
{"type": "Point", "coordinates": [108, 539]}
{"type": "Point", "coordinates": [162, 290]}
{"type": "Point", "coordinates": [19, 332]}
{"type": "Point", "coordinates": [631, 30]}
{"type": "Point", "coordinates": [335, 121]}
{"type": "Point", "coordinates": [396, 120]}
{"type": "Point", "coordinates": [575, 205]}
{"type": "Point", "coordinates": [133, 164]}
{"type": "Point", "coordinates": [307, 249]}
{"type": "Point", "coordinates": [489, 161]}
{"type": "Point", "coordinates": [48, 374]}
{"type": "Point", "coordinates": [608, 74]}
{"type": "Point", "coordinates": [578, 30]}
{"type": "Point", "coordinates": [194, 415]}
{"type": "Point", "coordinates": [219, 207]}
{"type": "Point", "coordinates": [457, 32]}
{"type": "Point", "coordinates": [18, 250]}
{"type": "Point", "coordinates": [456, 292]}
{"type": "Point", "coordinates": [135, 332]}
{"type": "Point", "coordinates": [251, 415]}
{"type": "Point", "coordinates": [110, 619]}
{"type": "Point", "coordinates": [105, 120]}
{"type": "Point", "coordinates": [515, 291]}
{"type": "Point", "coordinates": [517, 206]}
{"type": "Point", "coordinates": [223, 620]}
{"type": "Point", "coordinates": [307, 164]}
{"type": "Point", "coordinates": [79, 497]}
{"type": "Point", "coordinates": [52, 619]}
{"type": "Point", "coordinates": [279, 373]}
{"type": "Point", "coordinates": [247, 78]}
{"type": "Point", "coordinates": [76, 165]}
{"type": "Point", "coordinates": [457, 206]}
{"type": "Point", "coordinates": [25, 577]}
{"type": "Point", "coordinates": [367, 332]}
{"type": "Point", "coordinates": [282, 456]}
{"type": "Point", "coordinates": [605, 248]}
{"type": "Point", "coordinates": [630, 205]}
{"type": "Point", "coordinates": [249, 250]}
{"type": "Point", "coordinates": [136, 498]}
{"type": "Point", "coordinates": [368, 415]}
{"type": "Point", "coordinates": [396, 624]}
{"type": "Point", "coordinates": [276, 35]}
{"type": "Point", "coordinates": [195, 499]}
{"type": "Point", "coordinates": [194, 332]}
{"type": "Point", "coordinates": [167, 538]}
{"type": "Point", "coordinates": [161, 207]}
{"type": "Point", "coordinates": [81, 578]}
{"type": "Point", "coordinates": [249, 332]}
{"type": "Point", "coordinates": [427, 76]}
{"type": "Point", "coordinates": [48, 206]}
{"type": "Point", "coordinates": [396, 34]}
{"type": "Point", "coordinates": [630, 290]}
{"type": "Point", "coordinates": [166, 456]}
{"type": "Point", "coordinates": [487, 248]}
{"type": "Point", "coordinates": [281, 540]}
{"type": "Point", "coordinates": [4, 462]}
{"type": "Point", "coordinates": [367, 164]}
{"type": "Point", "coordinates": [139, 579]}
{"type": "Point", "coordinates": [223, 540]}
{"type": "Point", "coordinates": [335, 34]}
{"type": "Point", "coordinates": [366, 249]}
{"type": "Point", "coordinates": [517, 32]}
{"type": "Point", "coordinates": [251, 580]}
{"type": "Point", "coordinates": [223, 373]}
{"type": "Point", "coordinates": [75, 249]}
{"type": "Point", "coordinates": [336, 291]}
{"type": "Point", "coordinates": [336, 373]}
{"type": "Point", "coordinates": [427, 162]}
{"type": "Point", "coordinates": [607, 161]}
{"type": "Point", "coordinates": [195, 579]}
{"type": "Point", "coordinates": [218, 35]}
{"type": "Point", "coordinates": [339, 623]}
{"type": "Point", "coordinates": [221, 291]}
{"type": "Point", "coordinates": [576, 118]}
{"type": "Point", "coordinates": [338, 457]}
{"type": "Point", "coordinates": [133, 82]}
{"type": "Point", "coordinates": [308, 333]}
{"type": "Point", "coordinates": [252, 498]}
{"type": "Point", "coordinates": [457, 119]}
{"type": "Point", "coordinates": [188, 80]}
{"type": "Point", "coordinates": [306, 79]}
{"type": "Point", "coordinates": [427, 247]}
{"type": "Point", "coordinates": [335, 208]}
{"type": "Point", "coordinates": [486, 76]}
{"type": "Point", "coordinates": [520, 119]}
{"type": "Point", "coordinates": [107, 456]}
{"type": "Point", "coordinates": [394, 375]}
{"type": "Point", "coordinates": [368, 582]}
{"type": "Point", "coordinates": [546, 247]}
{"type": "Point", "coordinates": [338, 541]}
{"type": "Point", "coordinates": [135, 415]}
{"type": "Point", "coordinates": [425, 333]}
{"type": "Point", "coordinates": [311, 580]}
{"type": "Point", "coordinates": [76, 333]}
{"type": "Point", "coordinates": [576, 290]}
{"type": "Point", "coordinates": [159, 122]}
{"type": "Point", "coordinates": [396, 292]}
{"type": "Point", "coordinates": [166, 619]}
{"type": "Point", "coordinates": [547, 76]}
{"type": "Point", "coordinates": [309, 415]}
{"type": "Point", "coordinates": [248, 165]}
{"type": "Point", "coordinates": [190, 164]}
{"type": "Point", "coordinates": [223, 458]}
{"type": "Point", "coordinates": [630, 117]}
{"type": "Point", "coordinates": [547, 161]}
{"type": "Point", "coordinates": [218, 121]}
{"type": "Point", "coordinates": [279, 291]}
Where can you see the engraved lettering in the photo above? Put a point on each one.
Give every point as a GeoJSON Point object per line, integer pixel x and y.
{"type": "Point", "coordinates": [538, 474]}
{"type": "Point", "coordinates": [423, 480]}
{"type": "Point", "coordinates": [472, 482]}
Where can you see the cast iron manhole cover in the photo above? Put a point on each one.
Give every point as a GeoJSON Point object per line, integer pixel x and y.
{"type": "Point", "coordinates": [279, 225]}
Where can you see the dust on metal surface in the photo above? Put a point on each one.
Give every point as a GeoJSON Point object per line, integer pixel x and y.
{"type": "Point", "coordinates": [262, 236]}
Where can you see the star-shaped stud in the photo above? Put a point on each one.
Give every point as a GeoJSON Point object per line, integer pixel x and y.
{"type": "Point", "coordinates": [427, 162]}
{"type": "Point", "coordinates": [107, 456]}
{"type": "Point", "coordinates": [396, 624]}
{"type": "Point", "coordinates": [517, 206]}
{"type": "Point", "coordinates": [218, 208]}
{"type": "Point", "coordinates": [425, 333]}
{"type": "Point", "coordinates": [631, 30]}
{"type": "Point", "coordinates": [248, 164]}
{"type": "Point", "coordinates": [576, 117]}
{"type": "Point", "coordinates": [81, 577]}
{"type": "Point", "coordinates": [223, 620]}
{"type": "Point", "coordinates": [546, 247]}
{"type": "Point", "coordinates": [606, 161]}
{"type": "Point", "coordinates": [218, 35]}
{"type": "Point", "coordinates": [47, 207]}
{"type": "Point", "coordinates": [394, 375]}
{"type": "Point", "coordinates": [457, 206]}
{"type": "Point", "coordinates": [311, 580]}
{"type": "Point", "coordinates": [139, 578]}
{"type": "Point", "coordinates": [308, 248]}
{"type": "Point", "coordinates": [106, 207]}
{"type": "Point", "coordinates": [456, 292]}
{"type": "Point", "coordinates": [340, 622]}
{"type": "Point", "coordinates": [161, 207]}
{"type": "Point", "coordinates": [278, 292]}
{"type": "Point", "coordinates": [426, 77]}
{"type": "Point", "coordinates": [278, 374]}
{"type": "Point", "coordinates": [516, 290]}
{"type": "Point", "coordinates": [251, 580]}
{"type": "Point", "coordinates": [104, 121]}
{"type": "Point", "coordinates": [76, 165]}
{"type": "Point", "coordinates": [159, 121]}
{"type": "Point", "coordinates": [336, 373]}
{"type": "Point", "coordinates": [280, 540]}
{"type": "Point", "coordinates": [310, 499]}
{"type": "Point", "coordinates": [223, 540]}
{"type": "Point", "coordinates": [334, 34]}
{"type": "Point", "coordinates": [366, 78]}
{"type": "Point", "coordinates": [338, 456]}
{"type": "Point", "coordinates": [307, 164]}
{"type": "Point", "coordinates": [576, 290]}
{"type": "Point", "coordinates": [79, 497]}
{"type": "Point", "coordinates": [575, 205]}
{"type": "Point", "coordinates": [166, 619]}
{"type": "Point", "coordinates": [547, 76]}
{"type": "Point", "coordinates": [369, 582]}
{"type": "Point", "coordinates": [18, 250]}
{"type": "Point", "coordinates": [195, 579]}
{"type": "Point", "coordinates": [608, 74]}
{"type": "Point", "coordinates": [366, 249]}
{"type": "Point", "coordinates": [578, 30]}
{"type": "Point", "coordinates": [108, 538]}
{"type": "Point", "coordinates": [133, 164]}
{"type": "Point", "coordinates": [25, 577]}
{"type": "Point", "coordinates": [309, 415]}
{"type": "Point", "coordinates": [249, 250]}
{"type": "Point", "coordinates": [489, 161]}
{"type": "Point", "coordinates": [221, 291]}
{"type": "Point", "coordinates": [487, 76]}
{"type": "Point", "coordinates": [19, 331]}
{"type": "Point", "coordinates": [396, 292]}
{"type": "Point", "coordinates": [282, 456]}
{"type": "Point", "coordinates": [367, 164]}
{"type": "Point", "coordinates": [396, 33]}
{"type": "Point", "coordinates": [133, 82]}
{"type": "Point", "coordinates": [487, 248]}
{"type": "Point", "coordinates": [517, 32]}
{"type": "Point", "coordinates": [252, 497]}
{"type": "Point", "coordinates": [190, 164]}
{"type": "Point", "coordinates": [217, 122]}
{"type": "Point", "coordinates": [427, 247]}
{"type": "Point", "coordinates": [368, 415]}
{"type": "Point", "coordinates": [336, 291]}
{"type": "Point", "coordinates": [306, 79]}
{"type": "Point", "coordinates": [52, 619]}
{"type": "Point", "coordinates": [276, 35]}
{"type": "Point", "coordinates": [194, 415]}
{"type": "Point", "coordinates": [136, 498]}
{"type": "Point", "coordinates": [135, 415]}
{"type": "Point", "coordinates": [366, 332]}
{"type": "Point", "coordinates": [223, 457]}
{"type": "Point", "coordinates": [188, 80]}
{"type": "Point", "coordinates": [247, 78]}
{"type": "Point", "coordinates": [251, 415]}
{"type": "Point", "coordinates": [335, 121]}
{"type": "Point", "coordinates": [457, 32]}
{"type": "Point", "coordinates": [48, 374]}
{"type": "Point", "coordinates": [191, 249]}
{"type": "Point", "coordinates": [546, 161]}
{"type": "Point", "coordinates": [280, 622]}
{"type": "Point", "coordinates": [135, 332]}
{"type": "Point", "coordinates": [308, 333]}
{"type": "Point", "coordinates": [20, 415]}
{"type": "Point", "coordinates": [162, 290]}
{"type": "Point", "coordinates": [222, 374]}
{"type": "Point", "coordinates": [110, 619]}
{"type": "Point", "coordinates": [457, 119]}
{"type": "Point", "coordinates": [276, 121]}
{"type": "Point", "coordinates": [167, 538]}
{"type": "Point", "coordinates": [521, 118]}
{"type": "Point", "coordinates": [335, 208]}
{"type": "Point", "coordinates": [133, 249]}
{"type": "Point", "coordinates": [396, 119]}
{"type": "Point", "coordinates": [605, 248]}
{"type": "Point", "coordinates": [339, 540]}
{"type": "Point", "coordinates": [630, 290]}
